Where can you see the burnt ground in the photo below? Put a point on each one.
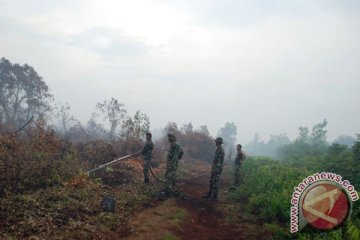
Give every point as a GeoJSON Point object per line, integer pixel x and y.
{"type": "Point", "coordinates": [192, 217]}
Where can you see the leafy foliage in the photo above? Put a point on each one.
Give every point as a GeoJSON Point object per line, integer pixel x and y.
{"type": "Point", "coordinates": [35, 160]}
{"type": "Point", "coordinates": [228, 134]}
{"type": "Point", "coordinates": [318, 133]}
{"type": "Point", "coordinates": [65, 117]}
{"type": "Point", "coordinates": [353, 231]}
{"type": "Point", "coordinates": [345, 140]}
{"type": "Point", "coordinates": [23, 93]}
{"type": "Point", "coordinates": [266, 189]}
{"type": "Point", "coordinates": [356, 149]}
{"type": "Point", "coordinates": [133, 133]}
{"type": "Point", "coordinates": [267, 186]}
{"type": "Point", "coordinates": [114, 112]}
{"type": "Point", "coordinates": [258, 147]}
{"type": "Point", "coordinates": [196, 143]}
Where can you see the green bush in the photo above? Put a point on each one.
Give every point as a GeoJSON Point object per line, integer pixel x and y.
{"type": "Point", "coordinates": [268, 187]}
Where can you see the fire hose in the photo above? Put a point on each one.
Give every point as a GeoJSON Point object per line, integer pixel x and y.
{"type": "Point", "coordinates": [111, 162]}
{"type": "Point", "coordinates": [151, 171]}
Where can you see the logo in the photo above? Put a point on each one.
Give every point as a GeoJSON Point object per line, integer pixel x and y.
{"type": "Point", "coordinates": [322, 200]}
{"type": "Point", "coordinates": [325, 206]}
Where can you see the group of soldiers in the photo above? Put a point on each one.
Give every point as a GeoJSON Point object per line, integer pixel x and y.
{"type": "Point", "coordinates": [175, 153]}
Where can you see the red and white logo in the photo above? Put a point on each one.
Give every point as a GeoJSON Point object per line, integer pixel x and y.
{"type": "Point", "coordinates": [325, 206]}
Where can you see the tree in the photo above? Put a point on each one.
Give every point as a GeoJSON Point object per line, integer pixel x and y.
{"type": "Point", "coordinates": [187, 128]}
{"type": "Point", "coordinates": [66, 119]}
{"type": "Point", "coordinates": [278, 140]}
{"type": "Point", "coordinates": [345, 140]}
{"type": "Point", "coordinates": [356, 156]}
{"type": "Point", "coordinates": [228, 134]}
{"type": "Point", "coordinates": [77, 133]}
{"type": "Point", "coordinates": [172, 127]}
{"type": "Point", "coordinates": [197, 144]}
{"type": "Point", "coordinates": [141, 124]}
{"type": "Point", "coordinates": [318, 133]}
{"type": "Point", "coordinates": [275, 143]}
{"type": "Point", "coordinates": [114, 112]}
{"type": "Point", "coordinates": [271, 148]}
{"type": "Point", "coordinates": [93, 129]}
{"type": "Point", "coordinates": [23, 94]}
{"type": "Point", "coordinates": [136, 127]}
{"type": "Point", "coordinates": [356, 148]}
{"type": "Point", "coordinates": [255, 146]}
{"type": "Point", "coordinates": [303, 134]}
{"type": "Point", "coordinates": [308, 150]}
{"type": "Point", "coordinates": [204, 129]}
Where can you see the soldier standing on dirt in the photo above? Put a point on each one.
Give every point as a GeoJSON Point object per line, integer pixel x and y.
{"type": "Point", "coordinates": [216, 169]}
{"type": "Point", "coordinates": [240, 157]}
{"type": "Point", "coordinates": [146, 154]}
{"type": "Point", "coordinates": [174, 155]}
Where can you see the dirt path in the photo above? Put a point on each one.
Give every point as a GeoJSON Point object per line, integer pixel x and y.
{"type": "Point", "coordinates": [192, 217]}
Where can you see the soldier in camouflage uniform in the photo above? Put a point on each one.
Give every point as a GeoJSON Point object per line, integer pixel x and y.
{"type": "Point", "coordinates": [146, 154]}
{"type": "Point", "coordinates": [174, 155]}
{"type": "Point", "coordinates": [240, 157]}
{"type": "Point", "coordinates": [216, 170]}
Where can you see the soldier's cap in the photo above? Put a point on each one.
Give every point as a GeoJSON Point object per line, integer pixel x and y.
{"type": "Point", "coordinates": [219, 140]}
{"type": "Point", "coordinates": [148, 134]}
{"type": "Point", "coordinates": [171, 136]}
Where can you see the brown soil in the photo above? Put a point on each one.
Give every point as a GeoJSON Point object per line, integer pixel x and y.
{"type": "Point", "coordinates": [192, 217]}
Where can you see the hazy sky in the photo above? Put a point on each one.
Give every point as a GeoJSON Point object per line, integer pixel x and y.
{"type": "Point", "coordinates": [267, 66]}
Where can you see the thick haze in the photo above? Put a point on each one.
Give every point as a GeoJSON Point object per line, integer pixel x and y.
{"type": "Point", "coordinates": [267, 66]}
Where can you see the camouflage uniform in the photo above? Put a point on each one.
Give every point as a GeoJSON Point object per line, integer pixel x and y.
{"type": "Point", "coordinates": [175, 153]}
{"type": "Point", "coordinates": [238, 161]}
{"type": "Point", "coordinates": [216, 170]}
{"type": "Point", "coordinates": [146, 153]}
